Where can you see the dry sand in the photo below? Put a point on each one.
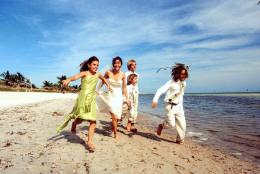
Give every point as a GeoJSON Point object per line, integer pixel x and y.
{"type": "Point", "coordinates": [29, 144]}
{"type": "Point", "coordinates": [8, 99]}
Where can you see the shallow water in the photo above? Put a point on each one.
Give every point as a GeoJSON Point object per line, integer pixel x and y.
{"type": "Point", "coordinates": [229, 122]}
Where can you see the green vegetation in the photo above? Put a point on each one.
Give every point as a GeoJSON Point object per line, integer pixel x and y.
{"type": "Point", "coordinates": [18, 82]}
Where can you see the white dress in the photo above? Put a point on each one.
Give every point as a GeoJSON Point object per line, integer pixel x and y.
{"type": "Point", "coordinates": [111, 102]}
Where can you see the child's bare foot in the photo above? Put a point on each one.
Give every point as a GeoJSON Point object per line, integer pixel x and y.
{"type": "Point", "coordinates": [180, 141]}
{"type": "Point", "coordinates": [90, 147]}
{"type": "Point", "coordinates": [116, 136]}
{"type": "Point", "coordinates": [128, 127]}
{"type": "Point", "coordinates": [159, 129]}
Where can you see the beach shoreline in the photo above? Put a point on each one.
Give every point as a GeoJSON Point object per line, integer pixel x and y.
{"type": "Point", "coordinates": [29, 144]}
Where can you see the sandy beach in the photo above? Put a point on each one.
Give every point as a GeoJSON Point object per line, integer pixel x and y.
{"type": "Point", "coordinates": [29, 144]}
{"type": "Point", "coordinates": [21, 98]}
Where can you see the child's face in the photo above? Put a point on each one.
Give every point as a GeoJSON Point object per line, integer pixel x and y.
{"type": "Point", "coordinates": [134, 81]}
{"type": "Point", "coordinates": [132, 67]}
{"type": "Point", "coordinates": [93, 66]}
{"type": "Point", "coordinates": [117, 65]}
{"type": "Point", "coordinates": [183, 75]}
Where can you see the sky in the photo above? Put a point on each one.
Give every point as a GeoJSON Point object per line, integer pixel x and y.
{"type": "Point", "coordinates": [219, 39]}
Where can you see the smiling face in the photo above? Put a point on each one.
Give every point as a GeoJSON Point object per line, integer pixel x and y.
{"type": "Point", "coordinates": [117, 65]}
{"type": "Point", "coordinates": [93, 66]}
{"type": "Point", "coordinates": [183, 75]}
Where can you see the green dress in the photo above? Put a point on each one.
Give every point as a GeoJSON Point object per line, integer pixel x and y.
{"type": "Point", "coordinates": [85, 107]}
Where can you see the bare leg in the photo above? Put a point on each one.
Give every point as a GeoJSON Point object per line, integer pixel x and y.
{"type": "Point", "coordinates": [114, 126]}
{"type": "Point", "coordinates": [128, 126]}
{"type": "Point", "coordinates": [159, 129]}
{"type": "Point", "coordinates": [74, 125]}
{"type": "Point", "coordinates": [91, 131]}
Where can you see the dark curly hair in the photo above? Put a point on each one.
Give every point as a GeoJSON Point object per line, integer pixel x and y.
{"type": "Point", "coordinates": [115, 59]}
{"type": "Point", "coordinates": [177, 69]}
{"type": "Point", "coordinates": [84, 65]}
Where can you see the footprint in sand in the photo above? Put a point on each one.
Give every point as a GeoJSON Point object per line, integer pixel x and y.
{"type": "Point", "coordinates": [57, 114]}
{"type": "Point", "coordinates": [7, 144]}
{"type": "Point", "coordinates": [179, 168]}
{"type": "Point", "coordinates": [5, 164]}
{"type": "Point", "coordinates": [21, 133]}
{"type": "Point", "coordinates": [9, 133]}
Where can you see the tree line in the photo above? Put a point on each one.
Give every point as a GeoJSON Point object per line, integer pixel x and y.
{"type": "Point", "coordinates": [16, 80]}
{"type": "Point", "coordinates": [19, 80]}
{"type": "Point", "coordinates": [58, 85]}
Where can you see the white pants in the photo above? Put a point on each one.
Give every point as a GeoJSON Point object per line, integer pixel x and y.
{"type": "Point", "coordinates": [176, 118]}
{"type": "Point", "coordinates": [131, 112]}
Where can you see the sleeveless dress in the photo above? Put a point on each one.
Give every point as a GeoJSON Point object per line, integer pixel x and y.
{"type": "Point", "coordinates": [85, 106]}
{"type": "Point", "coordinates": [111, 102]}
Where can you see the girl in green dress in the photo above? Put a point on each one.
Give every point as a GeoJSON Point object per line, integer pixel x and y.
{"type": "Point", "coordinates": [85, 107]}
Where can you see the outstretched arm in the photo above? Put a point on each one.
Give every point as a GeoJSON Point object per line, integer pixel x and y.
{"type": "Point", "coordinates": [104, 81]}
{"type": "Point", "coordinates": [124, 88]}
{"type": "Point", "coordinates": [73, 78]}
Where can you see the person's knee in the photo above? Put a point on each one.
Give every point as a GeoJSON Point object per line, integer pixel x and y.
{"type": "Point", "coordinates": [92, 122]}
{"type": "Point", "coordinates": [170, 122]}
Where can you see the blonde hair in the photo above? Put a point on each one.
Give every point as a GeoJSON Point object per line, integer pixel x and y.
{"type": "Point", "coordinates": [129, 63]}
{"type": "Point", "coordinates": [130, 78]}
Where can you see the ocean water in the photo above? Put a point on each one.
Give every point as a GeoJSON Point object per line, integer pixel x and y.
{"type": "Point", "coordinates": [228, 122]}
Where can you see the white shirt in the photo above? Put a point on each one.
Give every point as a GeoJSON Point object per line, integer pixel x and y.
{"type": "Point", "coordinates": [130, 72]}
{"type": "Point", "coordinates": [172, 88]}
{"type": "Point", "coordinates": [132, 92]}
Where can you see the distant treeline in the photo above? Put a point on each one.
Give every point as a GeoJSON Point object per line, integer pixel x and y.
{"type": "Point", "coordinates": [16, 80]}
{"type": "Point", "coordinates": [58, 85]}
{"type": "Point", "coordinates": [19, 81]}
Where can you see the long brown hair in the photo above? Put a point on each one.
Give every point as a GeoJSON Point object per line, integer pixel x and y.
{"type": "Point", "coordinates": [84, 65]}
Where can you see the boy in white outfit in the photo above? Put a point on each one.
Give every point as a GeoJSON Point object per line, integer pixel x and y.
{"type": "Point", "coordinates": [131, 66]}
{"type": "Point", "coordinates": [174, 90]}
{"type": "Point", "coordinates": [129, 110]}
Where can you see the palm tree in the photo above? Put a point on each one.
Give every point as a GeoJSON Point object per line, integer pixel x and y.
{"type": "Point", "coordinates": [75, 87]}
{"type": "Point", "coordinates": [6, 77]}
{"type": "Point", "coordinates": [61, 78]}
{"type": "Point", "coordinates": [20, 77]}
{"type": "Point", "coordinates": [47, 83]}
{"type": "Point", "coordinates": [13, 80]}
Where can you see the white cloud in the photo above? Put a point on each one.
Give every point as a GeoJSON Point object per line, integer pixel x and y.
{"type": "Point", "coordinates": [107, 31]}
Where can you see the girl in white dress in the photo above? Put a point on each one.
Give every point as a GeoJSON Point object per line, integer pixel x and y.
{"type": "Point", "coordinates": [114, 99]}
